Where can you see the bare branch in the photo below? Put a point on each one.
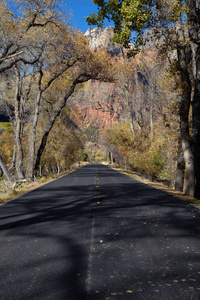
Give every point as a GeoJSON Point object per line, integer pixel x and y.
{"type": "Point", "coordinates": [10, 56]}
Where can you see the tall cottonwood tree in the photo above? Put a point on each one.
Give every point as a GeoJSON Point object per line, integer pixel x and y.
{"type": "Point", "coordinates": [15, 42]}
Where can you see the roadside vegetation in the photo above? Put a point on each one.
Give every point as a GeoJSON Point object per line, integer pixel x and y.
{"type": "Point", "coordinates": [173, 26]}
{"type": "Point", "coordinates": [43, 61]}
{"type": "Point", "coordinates": [150, 92]}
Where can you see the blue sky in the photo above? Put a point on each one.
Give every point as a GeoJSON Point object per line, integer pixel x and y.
{"type": "Point", "coordinates": [79, 9]}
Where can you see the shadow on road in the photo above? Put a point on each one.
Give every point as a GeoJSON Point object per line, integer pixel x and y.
{"type": "Point", "coordinates": [127, 237]}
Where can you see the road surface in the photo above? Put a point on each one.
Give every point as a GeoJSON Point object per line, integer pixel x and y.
{"type": "Point", "coordinates": [96, 234]}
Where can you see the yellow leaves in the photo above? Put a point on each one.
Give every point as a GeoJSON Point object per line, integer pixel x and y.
{"type": "Point", "coordinates": [114, 294]}
{"type": "Point", "coordinates": [121, 136]}
{"type": "Point", "coordinates": [6, 143]}
{"type": "Point", "coordinates": [129, 291]}
{"type": "Point", "coordinates": [58, 152]}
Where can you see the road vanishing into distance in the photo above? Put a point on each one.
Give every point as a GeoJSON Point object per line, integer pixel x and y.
{"type": "Point", "coordinates": [96, 234]}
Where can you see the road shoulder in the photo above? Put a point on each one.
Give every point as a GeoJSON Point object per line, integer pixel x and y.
{"type": "Point", "coordinates": [159, 186]}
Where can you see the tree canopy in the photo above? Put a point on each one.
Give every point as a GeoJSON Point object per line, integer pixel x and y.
{"type": "Point", "coordinates": [175, 25]}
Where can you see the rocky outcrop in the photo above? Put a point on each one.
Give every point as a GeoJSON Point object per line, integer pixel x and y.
{"type": "Point", "coordinates": [101, 38]}
{"type": "Point", "coordinates": [102, 104]}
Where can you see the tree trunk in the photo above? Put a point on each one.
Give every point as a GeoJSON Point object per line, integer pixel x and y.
{"type": "Point", "coordinates": [31, 157]}
{"type": "Point", "coordinates": [14, 157]}
{"type": "Point", "coordinates": [196, 124]}
{"type": "Point", "coordinates": [5, 171]}
{"type": "Point", "coordinates": [43, 145]}
{"type": "Point", "coordinates": [184, 60]}
{"type": "Point", "coordinates": [125, 168]}
{"type": "Point", "coordinates": [194, 25]}
{"type": "Point", "coordinates": [180, 171]}
{"type": "Point", "coordinates": [54, 116]}
{"type": "Point", "coordinates": [186, 143]}
{"type": "Point", "coordinates": [151, 115]}
{"type": "Point", "coordinates": [111, 157]}
{"type": "Point", "coordinates": [19, 127]}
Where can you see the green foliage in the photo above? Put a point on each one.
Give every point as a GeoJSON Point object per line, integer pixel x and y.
{"type": "Point", "coordinates": [128, 16]}
{"type": "Point", "coordinates": [62, 149]}
{"type": "Point", "coordinates": [147, 156]}
{"type": "Point", "coordinates": [84, 156]}
{"type": "Point", "coordinates": [143, 154]}
{"type": "Point", "coordinates": [22, 185]}
{"type": "Point", "coordinates": [6, 142]}
{"type": "Point", "coordinates": [7, 126]}
{"type": "Point", "coordinates": [98, 156]}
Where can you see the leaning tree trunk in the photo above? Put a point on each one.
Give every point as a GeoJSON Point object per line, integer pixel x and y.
{"type": "Point", "coordinates": [81, 78]}
{"type": "Point", "coordinates": [5, 171]}
{"type": "Point", "coordinates": [53, 118]}
{"type": "Point", "coordinates": [43, 144]}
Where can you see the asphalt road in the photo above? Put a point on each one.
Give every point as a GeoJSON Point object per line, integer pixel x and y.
{"type": "Point", "coordinates": [99, 235]}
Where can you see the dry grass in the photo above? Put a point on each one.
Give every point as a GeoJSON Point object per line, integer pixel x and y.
{"type": "Point", "coordinates": [11, 194]}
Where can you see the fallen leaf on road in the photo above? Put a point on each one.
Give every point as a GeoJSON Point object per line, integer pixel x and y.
{"type": "Point", "coordinates": [113, 294]}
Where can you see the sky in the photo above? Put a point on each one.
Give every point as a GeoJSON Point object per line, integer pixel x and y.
{"type": "Point", "coordinates": [79, 9]}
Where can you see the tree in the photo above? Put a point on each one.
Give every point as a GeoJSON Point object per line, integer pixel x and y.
{"type": "Point", "coordinates": [43, 49]}
{"type": "Point", "coordinates": [15, 30]}
{"type": "Point", "coordinates": [128, 16]}
{"type": "Point", "coordinates": [63, 146]}
{"type": "Point", "coordinates": [96, 65]}
{"type": "Point", "coordinates": [193, 13]}
{"type": "Point", "coordinates": [16, 47]}
{"type": "Point", "coordinates": [167, 19]}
